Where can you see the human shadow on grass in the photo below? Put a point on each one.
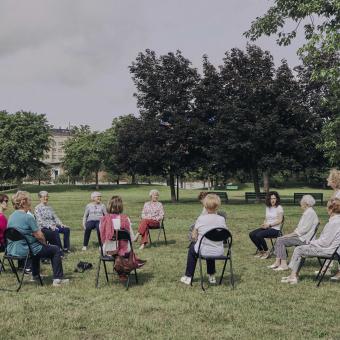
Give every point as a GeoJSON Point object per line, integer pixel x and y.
{"type": "Point", "coordinates": [160, 243]}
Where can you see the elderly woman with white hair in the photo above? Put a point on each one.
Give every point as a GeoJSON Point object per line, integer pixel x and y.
{"type": "Point", "coordinates": [152, 215]}
{"type": "Point", "coordinates": [47, 219]}
{"type": "Point", "coordinates": [300, 236]}
{"type": "Point", "coordinates": [93, 212]}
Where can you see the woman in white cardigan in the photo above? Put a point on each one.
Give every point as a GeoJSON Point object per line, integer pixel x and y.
{"type": "Point", "coordinates": [325, 245]}
{"type": "Point", "coordinates": [301, 235]}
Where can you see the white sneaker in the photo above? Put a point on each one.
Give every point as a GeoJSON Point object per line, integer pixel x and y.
{"type": "Point", "coordinates": [141, 247]}
{"type": "Point", "coordinates": [211, 279]}
{"type": "Point", "coordinates": [59, 282]}
{"type": "Point", "coordinates": [272, 266]}
{"type": "Point", "coordinates": [84, 248]}
{"type": "Point", "coordinates": [186, 280]}
{"type": "Point", "coordinates": [279, 268]}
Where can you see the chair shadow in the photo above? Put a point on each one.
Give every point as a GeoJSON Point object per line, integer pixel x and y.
{"type": "Point", "coordinates": [156, 244]}
{"type": "Point", "coordinates": [225, 281]}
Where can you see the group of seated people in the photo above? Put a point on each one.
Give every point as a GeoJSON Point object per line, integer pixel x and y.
{"type": "Point", "coordinates": [43, 229]}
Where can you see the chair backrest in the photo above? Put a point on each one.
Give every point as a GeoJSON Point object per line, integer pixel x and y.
{"type": "Point", "coordinates": [217, 235]}
{"type": "Point", "coordinates": [100, 242]}
{"type": "Point", "coordinates": [282, 224]}
{"type": "Point", "coordinates": [13, 234]}
{"type": "Point", "coordinates": [124, 235]}
{"type": "Point", "coordinates": [315, 231]}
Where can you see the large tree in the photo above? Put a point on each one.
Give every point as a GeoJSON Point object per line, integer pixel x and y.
{"type": "Point", "coordinates": [321, 23]}
{"type": "Point", "coordinates": [84, 153]}
{"type": "Point", "coordinates": [165, 96]}
{"type": "Point", "coordinates": [25, 138]}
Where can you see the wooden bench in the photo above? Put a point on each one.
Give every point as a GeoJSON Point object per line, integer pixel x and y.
{"type": "Point", "coordinates": [252, 196]}
{"type": "Point", "coordinates": [232, 187]}
{"type": "Point", "coordinates": [221, 194]}
{"type": "Point", "coordinates": [318, 196]}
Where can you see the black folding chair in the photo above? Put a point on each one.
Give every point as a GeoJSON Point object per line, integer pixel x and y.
{"type": "Point", "coordinates": [271, 251]}
{"type": "Point", "coordinates": [120, 235]}
{"type": "Point", "coordinates": [327, 260]}
{"type": "Point", "coordinates": [2, 262]}
{"type": "Point", "coordinates": [217, 235]}
{"type": "Point", "coordinates": [14, 235]}
{"type": "Point", "coordinates": [161, 227]}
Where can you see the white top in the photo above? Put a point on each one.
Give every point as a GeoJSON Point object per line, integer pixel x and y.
{"type": "Point", "coordinates": [329, 239]}
{"type": "Point", "coordinates": [203, 224]}
{"type": "Point", "coordinates": [336, 194]}
{"type": "Point", "coordinates": [307, 224]}
{"type": "Point", "coordinates": [272, 215]}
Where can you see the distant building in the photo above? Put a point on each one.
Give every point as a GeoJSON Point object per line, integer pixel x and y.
{"type": "Point", "coordinates": [55, 155]}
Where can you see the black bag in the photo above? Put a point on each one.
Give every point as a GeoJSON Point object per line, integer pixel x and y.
{"type": "Point", "coordinates": [82, 266]}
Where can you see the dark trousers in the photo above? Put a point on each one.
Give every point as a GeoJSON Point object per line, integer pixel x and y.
{"type": "Point", "coordinates": [52, 236]}
{"type": "Point", "coordinates": [258, 237]}
{"type": "Point", "coordinates": [89, 226]}
{"type": "Point", "coordinates": [66, 232]}
{"type": "Point", "coordinates": [191, 262]}
{"type": "Point", "coordinates": [51, 252]}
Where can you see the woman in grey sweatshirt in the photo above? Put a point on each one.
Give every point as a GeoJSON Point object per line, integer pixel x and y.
{"type": "Point", "coordinates": [93, 212]}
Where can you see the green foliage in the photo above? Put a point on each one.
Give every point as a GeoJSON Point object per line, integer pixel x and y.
{"type": "Point", "coordinates": [330, 143]}
{"type": "Point", "coordinates": [321, 27]}
{"type": "Point", "coordinates": [25, 137]}
{"type": "Point", "coordinates": [85, 153]}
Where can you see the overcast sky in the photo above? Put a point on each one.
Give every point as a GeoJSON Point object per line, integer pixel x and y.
{"type": "Point", "coordinates": [69, 59]}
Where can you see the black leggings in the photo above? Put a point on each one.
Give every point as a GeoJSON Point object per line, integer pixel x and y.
{"type": "Point", "coordinates": [258, 237]}
{"type": "Point", "coordinates": [89, 226]}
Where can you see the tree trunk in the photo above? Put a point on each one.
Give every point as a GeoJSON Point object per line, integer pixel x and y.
{"type": "Point", "coordinates": [255, 175]}
{"type": "Point", "coordinates": [172, 187]}
{"type": "Point", "coordinates": [266, 183]}
{"type": "Point", "coordinates": [97, 180]}
{"type": "Point", "coordinates": [133, 179]}
{"type": "Point", "coordinates": [177, 193]}
{"type": "Point", "coordinates": [117, 180]}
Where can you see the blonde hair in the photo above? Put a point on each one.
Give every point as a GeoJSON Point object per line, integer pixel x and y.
{"type": "Point", "coordinates": [20, 199]}
{"type": "Point", "coordinates": [211, 202]}
{"type": "Point", "coordinates": [334, 176]}
{"type": "Point", "coordinates": [334, 206]}
{"type": "Point", "coordinates": [153, 191]}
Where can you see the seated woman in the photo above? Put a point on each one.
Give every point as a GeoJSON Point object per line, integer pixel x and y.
{"type": "Point", "coordinates": [3, 221]}
{"type": "Point", "coordinates": [203, 224]}
{"type": "Point", "coordinates": [301, 235]}
{"type": "Point", "coordinates": [93, 212]}
{"type": "Point", "coordinates": [48, 221]}
{"type": "Point", "coordinates": [26, 224]}
{"type": "Point", "coordinates": [152, 215]}
{"type": "Point", "coordinates": [271, 225]}
{"type": "Point", "coordinates": [325, 245]}
{"type": "Point", "coordinates": [115, 220]}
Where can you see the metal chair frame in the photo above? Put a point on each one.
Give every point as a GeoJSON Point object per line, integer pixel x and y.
{"type": "Point", "coordinates": [13, 235]}
{"type": "Point", "coordinates": [217, 234]}
{"type": "Point", "coordinates": [121, 235]}
{"type": "Point", "coordinates": [161, 227]}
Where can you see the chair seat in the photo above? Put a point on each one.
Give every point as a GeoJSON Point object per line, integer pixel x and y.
{"type": "Point", "coordinates": [13, 257]}
{"type": "Point", "coordinates": [107, 258]}
{"type": "Point", "coordinates": [222, 257]}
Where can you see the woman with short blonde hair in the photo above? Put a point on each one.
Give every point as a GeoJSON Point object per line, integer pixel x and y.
{"type": "Point", "coordinates": [203, 224]}
{"type": "Point", "coordinates": [333, 181]}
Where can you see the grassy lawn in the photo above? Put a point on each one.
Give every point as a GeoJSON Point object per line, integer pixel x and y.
{"type": "Point", "coordinates": [161, 307]}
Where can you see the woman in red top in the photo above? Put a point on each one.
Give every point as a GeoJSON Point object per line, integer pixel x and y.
{"type": "Point", "coordinates": [3, 219]}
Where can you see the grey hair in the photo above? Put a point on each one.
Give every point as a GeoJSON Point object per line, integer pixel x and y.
{"type": "Point", "coordinates": [95, 194]}
{"type": "Point", "coordinates": [308, 200]}
{"type": "Point", "coordinates": [42, 194]}
{"type": "Point", "coordinates": [153, 191]}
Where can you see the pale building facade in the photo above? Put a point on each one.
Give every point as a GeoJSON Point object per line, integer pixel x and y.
{"type": "Point", "coordinates": [54, 157]}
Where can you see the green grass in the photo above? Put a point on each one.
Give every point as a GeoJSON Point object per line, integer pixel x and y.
{"type": "Point", "coordinates": [161, 307]}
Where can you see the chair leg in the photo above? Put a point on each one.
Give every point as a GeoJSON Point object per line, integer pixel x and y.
{"type": "Point", "coordinates": [149, 237]}
{"type": "Point", "coordinates": [166, 242]}
{"type": "Point", "coordinates": [23, 274]}
{"type": "Point", "coordinates": [106, 275]}
{"type": "Point", "coordinates": [201, 273]}
{"type": "Point", "coordinates": [98, 271]}
{"type": "Point", "coordinates": [323, 271]}
{"type": "Point", "coordinates": [232, 281]}
{"type": "Point", "coordinates": [128, 282]}
{"type": "Point", "coordinates": [136, 276]}
{"type": "Point", "coordinates": [225, 263]}
{"type": "Point", "coordinates": [13, 268]}
{"type": "Point", "coordinates": [159, 233]}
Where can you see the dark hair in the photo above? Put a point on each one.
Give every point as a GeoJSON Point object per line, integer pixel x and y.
{"type": "Point", "coordinates": [202, 195]}
{"type": "Point", "coordinates": [3, 197]}
{"type": "Point", "coordinates": [115, 205]}
{"type": "Point", "coordinates": [276, 194]}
